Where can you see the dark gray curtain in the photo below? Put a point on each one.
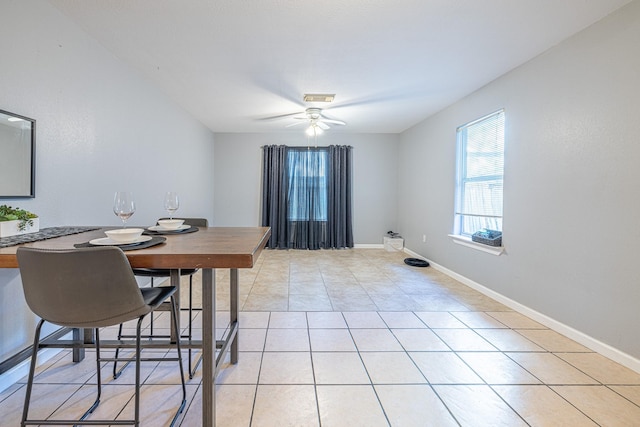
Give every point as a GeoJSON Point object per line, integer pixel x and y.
{"type": "Point", "coordinates": [306, 197]}
{"type": "Point", "coordinates": [274, 194]}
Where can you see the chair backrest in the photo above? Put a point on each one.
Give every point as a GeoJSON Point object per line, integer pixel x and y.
{"type": "Point", "coordinates": [89, 287]}
{"type": "Point", "coordinates": [195, 222]}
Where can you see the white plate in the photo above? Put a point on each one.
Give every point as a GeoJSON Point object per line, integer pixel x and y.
{"type": "Point", "coordinates": [105, 241]}
{"type": "Point", "coordinates": [160, 228]}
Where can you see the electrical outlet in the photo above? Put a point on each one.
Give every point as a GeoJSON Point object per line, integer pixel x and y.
{"type": "Point", "coordinates": [424, 238]}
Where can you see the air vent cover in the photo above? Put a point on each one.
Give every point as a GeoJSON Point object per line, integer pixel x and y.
{"type": "Point", "coordinates": [319, 97]}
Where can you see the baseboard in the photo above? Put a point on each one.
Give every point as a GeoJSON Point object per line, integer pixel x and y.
{"type": "Point", "coordinates": [576, 335]}
{"type": "Point", "coordinates": [368, 246]}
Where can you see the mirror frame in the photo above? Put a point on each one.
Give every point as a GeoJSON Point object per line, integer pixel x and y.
{"type": "Point", "coordinates": [32, 165]}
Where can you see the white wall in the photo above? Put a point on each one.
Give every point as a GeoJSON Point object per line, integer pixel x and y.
{"type": "Point", "coordinates": [238, 168]}
{"type": "Point", "coordinates": [571, 183]}
{"type": "Point", "coordinates": [100, 128]}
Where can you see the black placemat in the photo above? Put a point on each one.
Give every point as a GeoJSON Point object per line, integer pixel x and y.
{"type": "Point", "coordinates": [44, 234]}
{"type": "Point", "coordinates": [155, 240]}
{"type": "Point", "coordinates": [191, 229]}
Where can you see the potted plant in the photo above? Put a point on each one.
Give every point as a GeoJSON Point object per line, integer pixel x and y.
{"type": "Point", "coordinates": [17, 221]}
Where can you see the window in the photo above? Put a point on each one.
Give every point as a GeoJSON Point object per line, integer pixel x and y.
{"type": "Point", "coordinates": [480, 169]}
{"type": "Point", "coordinates": [307, 169]}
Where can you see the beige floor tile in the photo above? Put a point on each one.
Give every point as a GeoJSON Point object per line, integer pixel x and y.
{"type": "Point", "coordinates": [602, 369]}
{"type": "Point", "coordinates": [515, 320]}
{"type": "Point", "coordinates": [331, 340]}
{"type": "Point", "coordinates": [478, 320]}
{"type": "Point", "coordinates": [413, 406]}
{"type": "Point", "coordinates": [253, 319]}
{"type": "Point", "coordinates": [444, 368]}
{"type": "Point", "coordinates": [375, 340]}
{"type": "Point", "coordinates": [45, 399]}
{"type": "Point", "coordinates": [631, 392]}
{"type": "Point", "coordinates": [402, 320]}
{"type": "Point", "coordinates": [440, 320]}
{"type": "Point", "coordinates": [234, 404]}
{"type": "Point", "coordinates": [419, 340]}
{"type": "Point", "coordinates": [541, 406]}
{"type": "Point", "coordinates": [285, 405]}
{"type": "Point", "coordinates": [508, 340]}
{"type": "Point", "coordinates": [550, 369]}
{"type": "Point", "coordinates": [477, 405]}
{"type": "Point", "coordinates": [496, 368]}
{"type": "Point", "coordinates": [288, 319]}
{"type": "Point", "coordinates": [286, 368]}
{"type": "Point", "coordinates": [246, 371]}
{"type": "Point", "coordinates": [464, 340]}
{"type": "Point", "coordinates": [266, 303]}
{"type": "Point", "coordinates": [287, 340]}
{"type": "Point", "coordinates": [354, 405]}
{"type": "Point", "coordinates": [391, 367]}
{"type": "Point", "coordinates": [309, 302]}
{"type": "Point", "coordinates": [339, 368]}
{"type": "Point", "coordinates": [438, 303]}
{"type": "Point", "coordinates": [366, 320]}
{"type": "Point", "coordinates": [251, 339]}
{"type": "Point", "coordinates": [330, 319]}
{"type": "Point", "coordinates": [552, 341]}
{"type": "Point", "coordinates": [355, 302]}
{"type": "Point", "coordinates": [601, 404]}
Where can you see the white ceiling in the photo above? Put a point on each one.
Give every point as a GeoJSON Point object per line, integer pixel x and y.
{"type": "Point", "coordinates": [234, 64]}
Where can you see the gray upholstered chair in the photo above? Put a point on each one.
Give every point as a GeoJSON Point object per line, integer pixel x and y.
{"type": "Point", "coordinates": [89, 288]}
{"type": "Point", "coordinates": [165, 273]}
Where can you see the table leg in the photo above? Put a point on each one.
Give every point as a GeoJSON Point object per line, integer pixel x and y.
{"type": "Point", "coordinates": [87, 337]}
{"type": "Point", "coordinates": [233, 311]}
{"type": "Point", "coordinates": [208, 347]}
{"type": "Point", "coordinates": [175, 281]}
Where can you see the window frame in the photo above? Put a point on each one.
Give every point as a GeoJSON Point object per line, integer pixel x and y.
{"type": "Point", "coordinates": [462, 178]}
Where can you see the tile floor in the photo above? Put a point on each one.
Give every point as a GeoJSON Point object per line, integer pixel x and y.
{"type": "Point", "coordinates": [357, 338]}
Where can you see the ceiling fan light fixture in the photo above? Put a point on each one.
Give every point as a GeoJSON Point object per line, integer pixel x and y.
{"type": "Point", "coordinates": [319, 97]}
{"type": "Point", "coordinates": [314, 130]}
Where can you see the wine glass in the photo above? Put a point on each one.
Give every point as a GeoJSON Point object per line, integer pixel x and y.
{"type": "Point", "coordinates": [171, 203]}
{"type": "Point", "coordinates": [124, 206]}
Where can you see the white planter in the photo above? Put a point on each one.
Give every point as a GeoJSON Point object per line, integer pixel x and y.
{"type": "Point", "coordinates": [10, 228]}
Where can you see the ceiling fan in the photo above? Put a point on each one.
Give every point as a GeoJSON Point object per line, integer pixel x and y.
{"type": "Point", "coordinates": [316, 121]}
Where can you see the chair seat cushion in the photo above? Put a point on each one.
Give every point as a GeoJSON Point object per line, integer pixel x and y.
{"type": "Point", "coordinates": [156, 296]}
{"type": "Point", "coordinates": [162, 272]}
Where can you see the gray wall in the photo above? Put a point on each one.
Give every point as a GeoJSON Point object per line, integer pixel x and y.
{"type": "Point", "coordinates": [100, 128]}
{"type": "Point", "coordinates": [238, 174]}
{"type": "Point", "coordinates": [571, 183]}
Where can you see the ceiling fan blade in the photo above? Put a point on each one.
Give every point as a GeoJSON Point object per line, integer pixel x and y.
{"type": "Point", "coordinates": [280, 116]}
{"type": "Point", "coordinates": [294, 124]}
{"type": "Point", "coordinates": [322, 125]}
{"type": "Point", "coordinates": [335, 122]}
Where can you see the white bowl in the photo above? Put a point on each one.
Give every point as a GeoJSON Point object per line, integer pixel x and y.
{"type": "Point", "coordinates": [170, 224]}
{"type": "Point", "coordinates": [124, 235]}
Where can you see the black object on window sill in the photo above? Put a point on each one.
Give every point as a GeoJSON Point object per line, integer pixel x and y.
{"type": "Point", "coordinates": [488, 237]}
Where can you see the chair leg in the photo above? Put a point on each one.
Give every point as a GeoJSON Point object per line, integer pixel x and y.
{"type": "Point", "coordinates": [32, 369]}
{"type": "Point", "coordinates": [190, 321]}
{"type": "Point", "coordinates": [138, 357]}
{"type": "Point", "coordinates": [174, 313]}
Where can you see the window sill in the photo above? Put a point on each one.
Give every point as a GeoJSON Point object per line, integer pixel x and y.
{"type": "Point", "coordinates": [466, 241]}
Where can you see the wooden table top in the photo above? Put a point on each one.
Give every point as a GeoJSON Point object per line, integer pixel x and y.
{"type": "Point", "coordinates": [213, 247]}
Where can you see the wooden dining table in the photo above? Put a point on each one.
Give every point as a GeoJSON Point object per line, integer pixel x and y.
{"type": "Point", "coordinates": [210, 248]}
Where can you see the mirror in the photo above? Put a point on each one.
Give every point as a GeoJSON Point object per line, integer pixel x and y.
{"type": "Point", "coordinates": [17, 156]}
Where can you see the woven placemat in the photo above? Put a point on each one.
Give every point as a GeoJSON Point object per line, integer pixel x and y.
{"type": "Point", "coordinates": [155, 240]}
{"type": "Point", "coordinates": [44, 234]}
